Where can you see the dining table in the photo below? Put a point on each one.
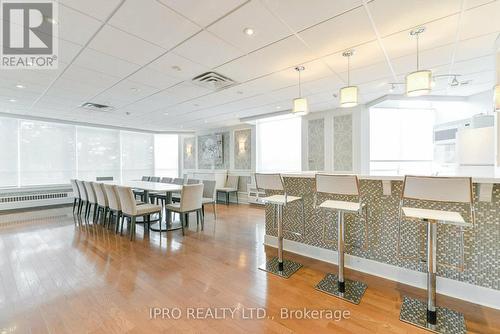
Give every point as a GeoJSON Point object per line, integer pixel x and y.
{"type": "Point", "coordinates": [157, 187]}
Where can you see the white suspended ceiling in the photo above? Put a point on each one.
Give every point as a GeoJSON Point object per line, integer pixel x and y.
{"type": "Point", "coordinates": [140, 56]}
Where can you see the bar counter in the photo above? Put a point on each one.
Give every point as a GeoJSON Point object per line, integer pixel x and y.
{"type": "Point", "coordinates": [376, 238]}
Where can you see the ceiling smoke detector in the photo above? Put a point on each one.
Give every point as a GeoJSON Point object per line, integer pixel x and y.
{"type": "Point", "coordinates": [96, 107]}
{"type": "Point", "coordinates": [213, 81]}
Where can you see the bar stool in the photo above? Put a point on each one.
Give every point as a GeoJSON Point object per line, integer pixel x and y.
{"type": "Point", "coordinates": [341, 185]}
{"type": "Point", "coordinates": [274, 182]}
{"type": "Point", "coordinates": [424, 192]}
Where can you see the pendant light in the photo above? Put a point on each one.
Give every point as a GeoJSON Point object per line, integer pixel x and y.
{"type": "Point", "coordinates": [419, 82]}
{"type": "Point", "coordinates": [349, 94]}
{"type": "Point", "coordinates": [300, 106]}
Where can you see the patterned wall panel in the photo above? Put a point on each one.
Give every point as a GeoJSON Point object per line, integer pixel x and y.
{"type": "Point", "coordinates": [342, 143]}
{"type": "Point", "coordinates": [189, 153]}
{"type": "Point", "coordinates": [243, 149]}
{"type": "Point", "coordinates": [205, 161]}
{"type": "Point", "coordinates": [376, 237]}
{"type": "Point", "coordinates": [316, 144]}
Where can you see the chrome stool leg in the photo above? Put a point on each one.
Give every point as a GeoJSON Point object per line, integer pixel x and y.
{"type": "Point", "coordinates": [278, 265]}
{"type": "Point", "coordinates": [338, 285]}
{"type": "Point", "coordinates": [427, 315]}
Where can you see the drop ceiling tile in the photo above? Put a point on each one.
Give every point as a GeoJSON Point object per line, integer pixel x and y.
{"type": "Point", "coordinates": [438, 33]}
{"type": "Point", "coordinates": [267, 28]}
{"type": "Point", "coordinates": [67, 50]}
{"type": "Point", "coordinates": [429, 59]}
{"type": "Point", "coordinates": [203, 12]}
{"type": "Point", "coordinates": [480, 20]}
{"type": "Point", "coordinates": [121, 45]}
{"type": "Point", "coordinates": [276, 57]}
{"type": "Point", "coordinates": [153, 22]}
{"type": "Point", "coordinates": [364, 55]}
{"type": "Point", "coordinates": [299, 14]}
{"type": "Point", "coordinates": [392, 16]}
{"type": "Point", "coordinates": [185, 91]}
{"type": "Point", "coordinates": [177, 66]}
{"type": "Point", "coordinates": [101, 62]}
{"type": "Point", "coordinates": [149, 76]}
{"type": "Point", "coordinates": [124, 93]}
{"type": "Point", "coordinates": [332, 36]}
{"type": "Point", "coordinates": [98, 9]}
{"type": "Point", "coordinates": [208, 50]}
{"type": "Point", "coordinates": [75, 26]}
{"type": "Point", "coordinates": [476, 47]}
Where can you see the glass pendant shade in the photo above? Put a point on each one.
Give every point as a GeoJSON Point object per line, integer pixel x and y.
{"type": "Point", "coordinates": [300, 106]}
{"type": "Point", "coordinates": [348, 96]}
{"type": "Point", "coordinates": [497, 97]}
{"type": "Point", "coordinates": [419, 83]}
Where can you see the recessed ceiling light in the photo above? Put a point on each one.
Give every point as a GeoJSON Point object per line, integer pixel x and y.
{"type": "Point", "coordinates": [278, 107]}
{"type": "Point", "coordinates": [176, 68]}
{"type": "Point", "coordinates": [134, 89]}
{"type": "Point", "coordinates": [19, 86]}
{"type": "Point", "coordinates": [12, 100]}
{"type": "Point", "coordinates": [248, 31]}
{"type": "Point", "coordinates": [165, 113]}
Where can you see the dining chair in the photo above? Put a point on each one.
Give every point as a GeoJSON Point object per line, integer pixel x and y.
{"type": "Point", "coordinates": [102, 202]}
{"type": "Point", "coordinates": [176, 197]}
{"type": "Point", "coordinates": [154, 179]}
{"type": "Point", "coordinates": [76, 194]}
{"type": "Point", "coordinates": [192, 181]}
{"type": "Point", "coordinates": [230, 187]}
{"type": "Point", "coordinates": [191, 201]}
{"type": "Point", "coordinates": [83, 196]}
{"type": "Point", "coordinates": [115, 208]}
{"type": "Point", "coordinates": [131, 210]}
{"type": "Point", "coordinates": [91, 200]}
{"type": "Point", "coordinates": [209, 196]}
{"type": "Point", "coordinates": [160, 197]}
{"type": "Point", "coordinates": [166, 180]}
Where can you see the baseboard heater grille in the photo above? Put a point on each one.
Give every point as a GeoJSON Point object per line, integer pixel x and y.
{"type": "Point", "coordinates": [25, 199]}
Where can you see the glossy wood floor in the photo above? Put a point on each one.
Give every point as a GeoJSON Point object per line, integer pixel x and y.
{"type": "Point", "coordinates": [58, 277]}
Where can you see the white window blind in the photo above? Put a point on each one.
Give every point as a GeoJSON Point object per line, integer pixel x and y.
{"type": "Point", "coordinates": [279, 145]}
{"type": "Point", "coordinates": [98, 153]}
{"type": "Point", "coordinates": [137, 155]}
{"type": "Point", "coordinates": [8, 149]}
{"type": "Point", "coordinates": [166, 155]}
{"type": "Point", "coordinates": [47, 153]}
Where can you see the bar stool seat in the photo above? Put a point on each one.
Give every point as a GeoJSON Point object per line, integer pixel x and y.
{"type": "Point", "coordinates": [450, 217]}
{"type": "Point", "coordinates": [340, 185]}
{"type": "Point", "coordinates": [274, 182]}
{"type": "Point", "coordinates": [280, 199]}
{"type": "Point", "coordinates": [449, 191]}
{"type": "Point", "coordinates": [340, 205]}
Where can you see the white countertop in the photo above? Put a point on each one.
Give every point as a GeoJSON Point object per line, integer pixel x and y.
{"type": "Point", "coordinates": [479, 177]}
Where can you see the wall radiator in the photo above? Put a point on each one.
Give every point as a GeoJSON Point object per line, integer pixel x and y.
{"type": "Point", "coordinates": [33, 198]}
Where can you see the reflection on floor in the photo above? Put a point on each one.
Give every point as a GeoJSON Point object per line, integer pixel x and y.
{"type": "Point", "coordinates": [60, 277]}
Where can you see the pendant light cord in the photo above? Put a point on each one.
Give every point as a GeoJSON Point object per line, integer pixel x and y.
{"type": "Point", "coordinates": [418, 63]}
{"type": "Point", "coordinates": [300, 89]}
{"type": "Point", "coordinates": [348, 68]}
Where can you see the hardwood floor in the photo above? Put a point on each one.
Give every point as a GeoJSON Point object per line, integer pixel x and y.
{"type": "Point", "coordinates": [58, 277]}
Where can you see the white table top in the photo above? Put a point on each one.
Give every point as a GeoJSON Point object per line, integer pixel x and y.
{"type": "Point", "coordinates": [151, 186]}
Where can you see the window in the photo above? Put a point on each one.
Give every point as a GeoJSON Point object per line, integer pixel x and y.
{"type": "Point", "coordinates": [137, 155]}
{"type": "Point", "coordinates": [47, 153]}
{"type": "Point", "coordinates": [166, 155]}
{"type": "Point", "coordinates": [9, 156]}
{"type": "Point", "coordinates": [279, 144]}
{"type": "Point", "coordinates": [98, 153]}
{"type": "Point", "coordinates": [401, 140]}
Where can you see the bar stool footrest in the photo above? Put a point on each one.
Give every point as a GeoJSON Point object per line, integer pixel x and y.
{"type": "Point", "coordinates": [354, 290]}
{"type": "Point", "coordinates": [414, 312]}
{"type": "Point", "coordinates": [289, 267]}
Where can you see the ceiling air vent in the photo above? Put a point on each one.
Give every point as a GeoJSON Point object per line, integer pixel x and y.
{"type": "Point", "coordinates": [96, 107]}
{"type": "Point", "coordinates": [213, 81]}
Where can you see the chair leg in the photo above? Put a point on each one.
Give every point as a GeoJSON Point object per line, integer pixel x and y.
{"type": "Point", "coordinates": [182, 222]}
{"type": "Point", "coordinates": [202, 217]}
{"type": "Point", "coordinates": [132, 228]}
{"type": "Point", "coordinates": [215, 211]}
{"type": "Point", "coordinates": [227, 198]}
{"type": "Point", "coordinates": [237, 201]}
{"type": "Point", "coordinates": [197, 217]}
{"type": "Point", "coordinates": [74, 204]}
